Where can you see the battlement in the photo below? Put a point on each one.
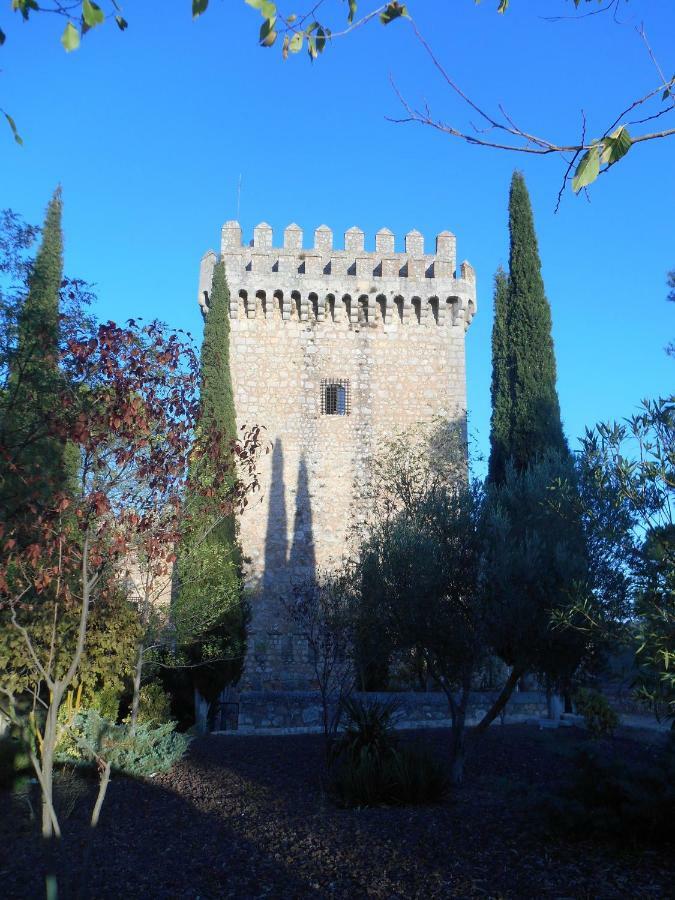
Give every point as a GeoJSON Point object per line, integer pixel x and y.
{"type": "Point", "coordinates": [324, 283]}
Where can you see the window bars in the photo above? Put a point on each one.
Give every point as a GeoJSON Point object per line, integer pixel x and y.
{"type": "Point", "coordinates": [335, 397]}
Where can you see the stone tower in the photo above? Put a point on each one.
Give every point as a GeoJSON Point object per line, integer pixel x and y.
{"type": "Point", "coordinates": [331, 350]}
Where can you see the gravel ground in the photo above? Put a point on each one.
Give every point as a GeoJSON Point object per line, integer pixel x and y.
{"type": "Point", "coordinates": [248, 817]}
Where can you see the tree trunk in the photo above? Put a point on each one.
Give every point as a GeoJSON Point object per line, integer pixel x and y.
{"type": "Point", "coordinates": [501, 700]}
{"type": "Point", "coordinates": [458, 716]}
{"type": "Point", "coordinates": [135, 703]}
{"type": "Point", "coordinates": [554, 705]}
{"type": "Point", "coordinates": [50, 826]}
{"type": "Point", "coordinates": [457, 746]}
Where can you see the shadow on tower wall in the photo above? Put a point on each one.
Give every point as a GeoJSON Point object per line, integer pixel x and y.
{"type": "Point", "coordinates": [276, 536]}
{"type": "Point", "coordinates": [302, 558]}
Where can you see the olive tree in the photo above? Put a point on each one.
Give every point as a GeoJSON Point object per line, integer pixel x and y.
{"type": "Point", "coordinates": [426, 562]}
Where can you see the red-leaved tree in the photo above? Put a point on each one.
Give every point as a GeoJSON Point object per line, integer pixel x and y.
{"type": "Point", "coordinates": [127, 414]}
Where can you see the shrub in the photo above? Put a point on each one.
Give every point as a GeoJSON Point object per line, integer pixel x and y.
{"type": "Point", "coordinates": [400, 777]}
{"type": "Point", "coordinates": [107, 702]}
{"type": "Point", "coordinates": [14, 762]}
{"type": "Point", "coordinates": [415, 777]}
{"type": "Point", "coordinates": [369, 727]}
{"type": "Point", "coordinates": [600, 718]}
{"type": "Point", "coordinates": [149, 749]}
{"type": "Point", "coordinates": [373, 769]}
{"type": "Point", "coordinates": [154, 704]}
{"type": "Point", "coordinates": [629, 803]}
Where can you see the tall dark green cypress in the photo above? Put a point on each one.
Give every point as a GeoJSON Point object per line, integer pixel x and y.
{"type": "Point", "coordinates": [524, 371]}
{"type": "Point", "coordinates": [500, 388]}
{"type": "Point", "coordinates": [209, 589]}
{"type": "Point", "coordinates": [216, 396]}
{"type": "Point", "coordinates": [35, 384]}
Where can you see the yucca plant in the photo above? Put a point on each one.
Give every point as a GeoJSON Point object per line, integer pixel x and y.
{"type": "Point", "coordinates": [369, 727]}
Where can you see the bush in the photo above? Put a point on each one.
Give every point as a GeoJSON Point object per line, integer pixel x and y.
{"type": "Point", "coordinates": [150, 749]}
{"type": "Point", "coordinates": [14, 762]}
{"type": "Point", "coordinates": [600, 718]}
{"type": "Point", "coordinates": [614, 800]}
{"type": "Point", "coordinates": [106, 702]}
{"type": "Point", "coordinates": [373, 769]}
{"type": "Point", "coordinates": [154, 704]}
{"type": "Point", "coordinates": [398, 778]}
{"type": "Point", "coordinates": [369, 727]}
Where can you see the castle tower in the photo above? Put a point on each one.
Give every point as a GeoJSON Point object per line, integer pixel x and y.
{"type": "Point", "coordinates": [331, 351]}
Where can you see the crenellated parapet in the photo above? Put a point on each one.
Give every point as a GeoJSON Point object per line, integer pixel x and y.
{"type": "Point", "coordinates": [324, 283]}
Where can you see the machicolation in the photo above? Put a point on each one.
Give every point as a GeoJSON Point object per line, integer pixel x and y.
{"type": "Point", "coordinates": [324, 283]}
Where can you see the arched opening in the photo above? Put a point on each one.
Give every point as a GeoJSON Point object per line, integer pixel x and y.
{"type": "Point", "coordinates": [261, 296]}
{"type": "Point", "coordinates": [381, 307]}
{"type": "Point", "coordinates": [242, 301]}
{"type": "Point", "coordinates": [433, 304]}
{"type": "Point", "coordinates": [295, 304]}
{"type": "Point", "coordinates": [363, 309]}
{"type": "Point", "coordinates": [314, 306]}
{"type": "Point", "coordinates": [417, 309]}
{"type": "Point", "coordinates": [398, 303]}
{"type": "Point", "coordinates": [347, 301]}
{"type": "Point", "coordinates": [330, 307]}
{"type": "Point", "coordinates": [279, 304]}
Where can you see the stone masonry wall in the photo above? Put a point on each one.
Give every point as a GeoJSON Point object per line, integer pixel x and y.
{"type": "Point", "coordinates": [390, 324]}
{"type": "Point", "coordinates": [301, 711]}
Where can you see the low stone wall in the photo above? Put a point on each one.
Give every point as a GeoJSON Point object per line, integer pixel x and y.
{"type": "Point", "coordinates": [289, 712]}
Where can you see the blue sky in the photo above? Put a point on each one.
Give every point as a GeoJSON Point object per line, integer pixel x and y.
{"type": "Point", "coordinates": [148, 132]}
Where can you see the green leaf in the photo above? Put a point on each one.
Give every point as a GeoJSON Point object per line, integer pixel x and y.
{"type": "Point", "coordinates": [311, 47]}
{"type": "Point", "coordinates": [268, 10]}
{"type": "Point", "coordinates": [320, 40]}
{"type": "Point", "coordinates": [587, 170]}
{"type": "Point", "coordinates": [92, 13]}
{"type": "Point", "coordinates": [267, 33]}
{"type": "Point", "coordinates": [393, 11]}
{"type": "Point", "coordinates": [122, 23]}
{"type": "Point", "coordinates": [2, 37]}
{"type": "Point", "coordinates": [616, 145]}
{"type": "Point", "coordinates": [352, 11]}
{"type": "Point", "coordinates": [199, 7]}
{"type": "Point", "coordinates": [24, 7]}
{"type": "Point", "coordinates": [256, 4]}
{"type": "Point", "coordinates": [70, 38]}
{"type": "Point", "coordinates": [503, 6]}
{"type": "Point", "coordinates": [295, 43]}
{"type": "Point", "coordinates": [12, 125]}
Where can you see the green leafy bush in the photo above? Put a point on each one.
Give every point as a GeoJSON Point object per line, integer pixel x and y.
{"type": "Point", "coordinates": [149, 749]}
{"type": "Point", "coordinates": [600, 718]}
{"type": "Point", "coordinates": [107, 702]}
{"type": "Point", "coordinates": [154, 705]}
{"type": "Point", "coordinates": [628, 803]}
{"type": "Point", "coordinates": [399, 777]}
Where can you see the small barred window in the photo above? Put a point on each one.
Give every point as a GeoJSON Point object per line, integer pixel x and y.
{"type": "Point", "coordinates": [334, 397]}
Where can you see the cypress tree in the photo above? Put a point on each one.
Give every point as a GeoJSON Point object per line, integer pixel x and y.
{"type": "Point", "coordinates": [533, 555]}
{"type": "Point", "coordinates": [500, 388]}
{"type": "Point", "coordinates": [210, 612]}
{"type": "Point", "coordinates": [35, 384]}
{"type": "Point", "coordinates": [524, 372]}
